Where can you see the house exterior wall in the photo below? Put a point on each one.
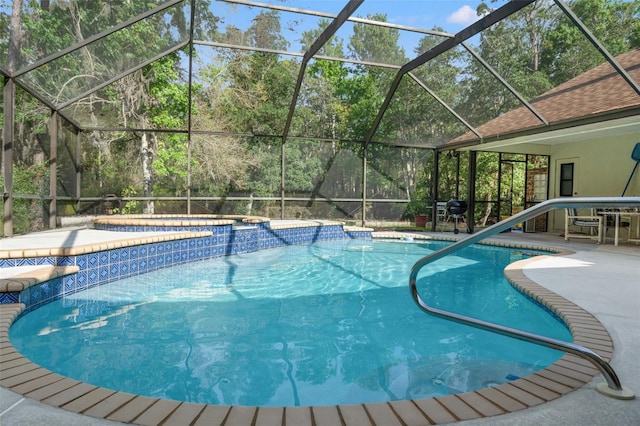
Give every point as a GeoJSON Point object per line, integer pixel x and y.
{"type": "Point", "coordinates": [603, 167]}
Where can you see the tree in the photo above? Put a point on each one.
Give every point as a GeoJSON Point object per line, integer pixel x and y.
{"type": "Point", "coordinates": [369, 84]}
{"type": "Point", "coordinates": [512, 48]}
{"type": "Point", "coordinates": [244, 92]}
{"type": "Point", "coordinates": [375, 43]}
{"type": "Point", "coordinates": [566, 53]}
{"type": "Point", "coordinates": [322, 103]}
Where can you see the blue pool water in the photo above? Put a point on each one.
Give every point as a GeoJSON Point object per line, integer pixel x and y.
{"type": "Point", "coordinates": [328, 323]}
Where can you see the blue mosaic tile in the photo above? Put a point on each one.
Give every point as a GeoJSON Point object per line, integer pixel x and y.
{"type": "Point", "coordinates": [7, 263]}
{"type": "Point", "coordinates": [11, 297]}
{"type": "Point", "coordinates": [93, 277]}
{"type": "Point", "coordinates": [114, 256]}
{"type": "Point", "coordinates": [46, 290]}
{"type": "Point", "coordinates": [34, 294]}
{"type": "Point", "coordinates": [124, 269]}
{"type": "Point", "coordinates": [103, 258]}
{"type": "Point", "coordinates": [133, 268]}
{"type": "Point", "coordinates": [114, 271]}
{"type": "Point", "coordinates": [93, 260]}
{"type": "Point", "coordinates": [82, 261]}
{"type": "Point", "coordinates": [46, 261]}
{"type": "Point", "coordinates": [27, 261]}
{"type": "Point", "coordinates": [142, 251]}
{"type": "Point", "coordinates": [81, 279]}
{"type": "Point", "coordinates": [124, 254]}
{"type": "Point", "coordinates": [153, 248]}
{"type": "Point", "coordinates": [58, 286]}
{"type": "Point", "coordinates": [69, 283]}
{"type": "Point", "coordinates": [103, 273]}
{"type": "Point", "coordinates": [25, 297]}
{"type": "Point", "coordinates": [143, 266]}
{"type": "Point", "coordinates": [133, 253]}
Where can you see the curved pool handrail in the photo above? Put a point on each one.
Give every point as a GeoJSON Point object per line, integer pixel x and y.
{"type": "Point", "coordinates": [613, 386]}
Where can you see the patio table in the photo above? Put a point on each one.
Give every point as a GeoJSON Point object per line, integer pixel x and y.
{"type": "Point", "coordinates": [633, 214]}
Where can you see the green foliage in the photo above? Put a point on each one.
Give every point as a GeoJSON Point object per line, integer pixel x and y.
{"type": "Point", "coordinates": [567, 53]}
{"type": "Point", "coordinates": [240, 92]}
{"type": "Point", "coordinates": [130, 206]}
{"type": "Point", "coordinates": [29, 180]}
{"type": "Point", "coordinates": [376, 44]}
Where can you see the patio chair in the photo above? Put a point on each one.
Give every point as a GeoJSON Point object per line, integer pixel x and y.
{"type": "Point", "coordinates": [441, 215]}
{"type": "Point", "coordinates": [591, 221]}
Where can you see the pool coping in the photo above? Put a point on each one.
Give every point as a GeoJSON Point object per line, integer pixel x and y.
{"type": "Point", "coordinates": [20, 375]}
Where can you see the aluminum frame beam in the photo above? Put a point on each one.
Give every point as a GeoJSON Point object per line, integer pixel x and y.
{"type": "Point", "coordinates": [603, 50]}
{"type": "Point", "coordinates": [335, 25]}
{"type": "Point", "coordinates": [473, 29]}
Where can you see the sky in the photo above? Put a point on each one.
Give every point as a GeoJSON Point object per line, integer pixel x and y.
{"type": "Point", "coordinates": [450, 15]}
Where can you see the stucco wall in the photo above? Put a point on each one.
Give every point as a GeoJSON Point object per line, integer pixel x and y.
{"type": "Point", "coordinates": [603, 167]}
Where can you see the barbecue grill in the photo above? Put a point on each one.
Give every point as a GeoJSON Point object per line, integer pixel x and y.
{"type": "Point", "coordinates": [456, 209]}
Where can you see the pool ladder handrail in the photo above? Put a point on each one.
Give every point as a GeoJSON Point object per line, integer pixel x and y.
{"type": "Point", "coordinates": [612, 387]}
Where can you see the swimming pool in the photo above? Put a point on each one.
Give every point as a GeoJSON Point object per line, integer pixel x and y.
{"type": "Point", "coordinates": [215, 332]}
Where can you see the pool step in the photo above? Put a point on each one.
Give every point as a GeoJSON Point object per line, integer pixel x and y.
{"type": "Point", "coordinates": [22, 277]}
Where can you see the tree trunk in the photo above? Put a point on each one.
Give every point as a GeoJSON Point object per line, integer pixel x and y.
{"type": "Point", "coordinates": [147, 176]}
{"type": "Point", "coordinates": [250, 204]}
{"type": "Point", "coordinates": [15, 44]}
{"type": "Point", "coordinates": [15, 36]}
{"type": "Point", "coordinates": [487, 210]}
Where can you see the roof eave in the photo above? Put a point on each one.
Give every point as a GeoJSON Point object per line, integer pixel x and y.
{"type": "Point", "coordinates": [542, 129]}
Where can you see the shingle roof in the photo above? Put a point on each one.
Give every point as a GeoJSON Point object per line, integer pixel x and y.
{"type": "Point", "coordinates": [597, 91]}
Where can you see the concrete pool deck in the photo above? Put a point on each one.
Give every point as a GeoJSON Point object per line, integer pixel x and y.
{"type": "Point", "coordinates": [602, 279]}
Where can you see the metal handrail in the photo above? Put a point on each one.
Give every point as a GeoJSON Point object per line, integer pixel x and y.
{"type": "Point", "coordinates": [613, 382]}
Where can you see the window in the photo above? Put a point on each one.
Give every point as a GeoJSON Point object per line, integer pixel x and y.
{"type": "Point", "coordinates": [540, 187]}
{"type": "Point", "coordinates": [566, 180]}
